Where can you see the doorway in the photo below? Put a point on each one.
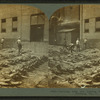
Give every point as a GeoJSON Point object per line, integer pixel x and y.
{"type": "Point", "coordinates": [36, 33]}
{"type": "Point", "coordinates": [37, 27]}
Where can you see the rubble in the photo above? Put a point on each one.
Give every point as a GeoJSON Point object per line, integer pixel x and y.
{"type": "Point", "coordinates": [15, 68]}
{"type": "Point", "coordinates": [83, 67]}
{"type": "Point", "coordinates": [60, 70]}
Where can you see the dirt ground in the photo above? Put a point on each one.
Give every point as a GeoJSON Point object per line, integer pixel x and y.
{"type": "Point", "coordinates": [58, 69]}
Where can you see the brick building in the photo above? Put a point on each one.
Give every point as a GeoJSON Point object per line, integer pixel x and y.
{"type": "Point", "coordinates": [26, 22]}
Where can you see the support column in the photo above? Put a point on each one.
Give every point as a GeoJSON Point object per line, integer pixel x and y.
{"type": "Point", "coordinates": [81, 22]}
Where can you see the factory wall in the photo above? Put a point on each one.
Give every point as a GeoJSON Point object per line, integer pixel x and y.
{"type": "Point", "coordinates": [22, 27]}
{"type": "Point", "coordinates": [60, 21]}
{"type": "Point", "coordinates": [91, 24]}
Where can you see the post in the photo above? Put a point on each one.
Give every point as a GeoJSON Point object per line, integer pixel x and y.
{"type": "Point", "coordinates": [81, 24]}
{"type": "Point", "coordinates": [21, 24]}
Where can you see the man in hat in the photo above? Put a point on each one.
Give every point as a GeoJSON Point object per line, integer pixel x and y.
{"type": "Point", "coordinates": [85, 43]}
{"type": "Point", "coordinates": [2, 43]}
{"type": "Point", "coordinates": [71, 47]}
{"type": "Point", "coordinates": [78, 45]}
{"type": "Point", "coordinates": [19, 45]}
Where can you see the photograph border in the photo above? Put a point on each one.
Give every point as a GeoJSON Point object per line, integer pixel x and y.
{"type": "Point", "coordinates": [47, 91]}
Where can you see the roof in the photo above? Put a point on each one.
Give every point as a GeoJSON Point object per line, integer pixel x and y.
{"type": "Point", "coordinates": [69, 22]}
{"type": "Point", "coordinates": [66, 30]}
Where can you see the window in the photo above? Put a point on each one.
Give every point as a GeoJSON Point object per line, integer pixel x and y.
{"type": "Point", "coordinates": [3, 25]}
{"type": "Point", "coordinates": [37, 19]}
{"type": "Point", "coordinates": [97, 24]}
{"type": "Point", "coordinates": [86, 25]}
{"type": "Point", "coordinates": [37, 27]}
{"type": "Point", "coordinates": [14, 24]}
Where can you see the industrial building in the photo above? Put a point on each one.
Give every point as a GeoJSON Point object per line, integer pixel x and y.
{"type": "Point", "coordinates": [75, 21]}
{"type": "Point", "coordinates": [65, 25]}
{"type": "Point", "coordinates": [26, 22]}
{"type": "Point", "coordinates": [37, 32]}
{"type": "Point", "coordinates": [90, 24]}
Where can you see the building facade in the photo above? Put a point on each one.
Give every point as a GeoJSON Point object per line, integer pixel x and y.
{"type": "Point", "coordinates": [65, 25]}
{"type": "Point", "coordinates": [26, 22]}
{"type": "Point", "coordinates": [37, 32]}
{"type": "Point", "coordinates": [90, 24]}
{"type": "Point", "coordinates": [76, 21]}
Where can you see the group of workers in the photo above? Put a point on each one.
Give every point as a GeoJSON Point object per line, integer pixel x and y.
{"type": "Point", "coordinates": [77, 45]}
{"type": "Point", "coordinates": [19, 44]}
{"type": "Point", "coordinates": [71, 45]}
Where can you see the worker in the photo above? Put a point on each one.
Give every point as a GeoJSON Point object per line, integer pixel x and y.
{"type": "Point", "coordinates": [19, 45]}
{"type": "Point", "coordinates": [85, 43]}
{"type": "Point", "coordinates": [2, 43]}
{"type": "Point", "coordinates": [65, 45]}
{"type": "Point", "coordinates": [78, 45]}
{"type": "Point", "coordinates": [71, 47]}
{"type": "Point", "coordinates": [55, 41]}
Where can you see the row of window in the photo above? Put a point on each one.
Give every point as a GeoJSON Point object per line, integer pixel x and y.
{"type": "Point", "coordinates": [35, 19]}
{"type": "Point", "coordinates": [97, 25]}
{"type": "Point", "coordinates": [14, 24]}
{"type": "Point", "coordinates": [37, 22]}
